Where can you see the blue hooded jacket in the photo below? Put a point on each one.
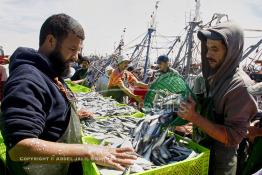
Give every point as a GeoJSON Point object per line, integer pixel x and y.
{"type": "Point", "coordinates": [32, 107]}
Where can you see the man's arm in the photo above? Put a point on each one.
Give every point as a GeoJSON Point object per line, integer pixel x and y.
{"type": "Point", "coordinates": [23, 121]}
{"type": "Point", "coordinates": [133, 80]}
{"type": "Point", "coordinates": [240, 107]}
{"type": "Point", "coordinates": [129, 93]}
{"type": "Point", "coordinates": [37, 150]}
{"type": "Point", "coordinates": [79, 81]}
{"type": "Point", "coordinates": [216, 131]}
{"type": "Point", "coordinates": [140, 84]}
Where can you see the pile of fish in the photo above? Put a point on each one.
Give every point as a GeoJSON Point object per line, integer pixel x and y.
{"type": "Point", "coordinates": [151, 141]}
{"type": "Point", "coordinates": [114, 131]}
{"type": "Point", "coordinates": [101, 106]}
{"type": "Point", "coordinates": [147, 136]}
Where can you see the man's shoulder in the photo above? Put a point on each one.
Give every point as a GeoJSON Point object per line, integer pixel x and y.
{"type": "Point", "coordinates": [27, 73]}
{"type": "Point", "coordinates": [173, 70]}
{"type": "Point", "coordinates": [240, 78]}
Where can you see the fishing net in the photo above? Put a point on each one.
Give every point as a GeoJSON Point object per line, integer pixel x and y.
{"type": "Point", "coordinates": [165, 85]}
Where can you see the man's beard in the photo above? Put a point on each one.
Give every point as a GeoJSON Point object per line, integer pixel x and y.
{"type": "Point", "coordinates": [61, 67]}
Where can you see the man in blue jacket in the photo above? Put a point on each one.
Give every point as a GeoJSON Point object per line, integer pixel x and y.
{"type": "Point", "coordinates": [39, 124]}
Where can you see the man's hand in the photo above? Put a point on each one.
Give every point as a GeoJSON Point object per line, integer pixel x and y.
{"type": "Point", "coordinates": [187, 110]}
{"type": "Point", "coordinates": [117, 158]}
{"type": "Point", "coordinates": [82, 113]}
{"type": "Point", "coordinates": [138, 98]}
{"type": "Point", "coordinates": [253, 131]}
{"type": "Point", "coordinates": [185, 129]}
{"type": "Point", "coordinates": [78, 81]}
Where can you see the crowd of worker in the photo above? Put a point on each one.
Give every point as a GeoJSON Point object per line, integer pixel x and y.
{"type": "Point", "coordinates": [39, 118]}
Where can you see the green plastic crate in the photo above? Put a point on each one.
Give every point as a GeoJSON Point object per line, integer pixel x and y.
{"type": "Point", "coordinates": [76, 88]}
{"type": "Point", "coordinates": [2, 149]}
{"type": "Point", "coordinates": [195, 166]}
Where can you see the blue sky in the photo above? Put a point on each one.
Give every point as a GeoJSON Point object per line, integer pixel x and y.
{"type": "Point", "coordinates": [104, 20]}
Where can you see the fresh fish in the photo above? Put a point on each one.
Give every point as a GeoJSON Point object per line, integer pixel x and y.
{"type": "Point", "coordinates": [161, 139]}
{"type": "Point", "coordinates": [151, 128]}
{"type": "Point", "coordinates": [101, 106]}
{"type": "Point", "coordinates": [136, 168]}
{"type": "Point", "coordinates": [148, 136]}
{"type": "Point", "coordinates": [164, 152]}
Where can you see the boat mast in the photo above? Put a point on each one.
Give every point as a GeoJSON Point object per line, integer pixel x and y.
{"type": "Point", "coordinates": [151, 29]}
{"type": "Point", "coordinates": [192, 25]}
{"type": "Point", "coordinates": [118, 50]}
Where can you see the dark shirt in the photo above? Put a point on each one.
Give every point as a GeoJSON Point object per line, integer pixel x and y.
{"type": "Point", "coordinates": [80, 74]}
{"type": "Point", "coordinates": [32, 107]}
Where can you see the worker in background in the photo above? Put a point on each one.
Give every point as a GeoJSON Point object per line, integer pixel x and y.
{"type": "Point", "coordinates": [164, 65]}
{"type": "Point", "coordinates": [39, 120]}
{"type": "Point", "coordinates": [102, 82]}
{"type": "Point", "coordinates": [120, 80]}
{"type": "Point", "coordinates": [80, 76]}
{"type": "Point", "coordinates": [231, 106]}
{"type": "Point", "coordinates": [4, 61]}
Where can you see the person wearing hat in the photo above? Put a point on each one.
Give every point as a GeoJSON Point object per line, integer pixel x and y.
{"type": "Point", "coordinates": [102, 82]}
{"type": "Point", "coordinates": [119, 82]}
{"type": "Point", "coordinates": [164, 65]}
{"type": "Point", "coordinates": [230, 106]}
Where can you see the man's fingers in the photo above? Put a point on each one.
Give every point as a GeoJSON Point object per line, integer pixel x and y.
{"type": "Point", "coordinates": [125, 149]}
{"type": "Point", "coordinates": [116, 165]}
{"type": "Point", "coordinates": [254, 123]}
{"type": "Point", "coordinates": [124, 162]}
{"type": "Point", "coordinates": [181, 114]}
{"type": "Point", "coordinates": [183, 105]}
{"type": "Point", "coordinates": [125, 156]}
{"type": "Point", "coordinates": [191, 100]}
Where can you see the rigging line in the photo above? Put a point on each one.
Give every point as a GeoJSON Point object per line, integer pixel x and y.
{"type": "Point", "coordinates": [135, 39]}
{"type": "Point", "coordinates": [253, 30]}
{"type": "Point", "coordinates": [253, 36]}
{"type": "Point", "coordinates": [163, 36]}
{"type": "Point", "coordinates": [258, 53]}
{"type": "Point", "coordinates": [166, 36]}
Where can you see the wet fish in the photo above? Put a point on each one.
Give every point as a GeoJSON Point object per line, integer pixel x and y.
{"type": "Point", "coordinates": [101, 106]}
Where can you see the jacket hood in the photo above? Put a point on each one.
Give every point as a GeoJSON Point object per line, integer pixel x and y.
{"type": "Point", "coordinates": [234, 41]}
{"type": "Point", "coordinates": [28, 56]}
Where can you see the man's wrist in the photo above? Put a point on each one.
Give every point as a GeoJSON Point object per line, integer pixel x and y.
{"type": "Point", "coordinates": [195, 118]}
{"type": "Point", "coordinates": [87, 151]}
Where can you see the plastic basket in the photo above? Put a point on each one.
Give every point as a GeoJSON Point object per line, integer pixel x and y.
{"type": "Point", "coordinates": [171, 82]}
{"type": "Point", "coordinates": [195, 166]}
{"type": "Point", "coordinates": [76, 88]}
{"type": "Point", "coordinates": [2, 149]}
